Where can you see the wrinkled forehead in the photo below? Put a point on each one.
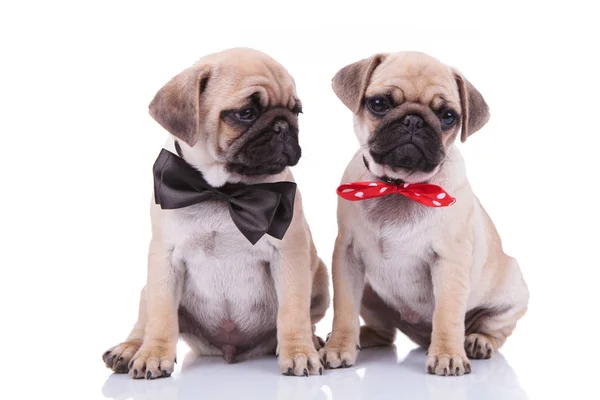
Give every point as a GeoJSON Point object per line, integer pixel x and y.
{"type": "Point", "coordinates": [415, 77]}
{"type": "Point", "coordinates": [261, 77]}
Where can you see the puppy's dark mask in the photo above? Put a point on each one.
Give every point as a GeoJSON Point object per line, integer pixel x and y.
{"type": "Point", "coordinates": [408, 138]}
{"type": "Point", "coordinates": [267, 146]}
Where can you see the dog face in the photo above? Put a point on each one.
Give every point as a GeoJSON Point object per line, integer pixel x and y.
{"type": "Point", "coordinates": [409, 108]}
{"type": "Point", "coordinates": [236, 110]}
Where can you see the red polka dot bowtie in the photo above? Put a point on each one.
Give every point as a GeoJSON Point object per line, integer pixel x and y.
{"type": "Point", "coordinates": [429, 195]}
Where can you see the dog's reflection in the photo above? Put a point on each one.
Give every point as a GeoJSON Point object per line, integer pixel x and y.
{"type": "Point", "coordinates": [212, 378]}
{"type": "Point", "coordinates": [380, 374]}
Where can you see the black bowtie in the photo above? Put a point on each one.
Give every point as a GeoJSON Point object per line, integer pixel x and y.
{"type": "Point", "coordinates": [254, 209]}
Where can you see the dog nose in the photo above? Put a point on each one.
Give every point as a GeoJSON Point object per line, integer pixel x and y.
{"type": "Point", "coordinates": [281, 127]}
{"type": "Point", "coordinates": [412, 122]}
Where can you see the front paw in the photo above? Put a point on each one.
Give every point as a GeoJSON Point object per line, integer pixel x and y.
{"type": "Point", "coordinates": [118, 357]}
{"type": "Point", "coordinates": [299, 358]}
{"type": "Point", "coordinates": [340, 351]}
{"type": "Point", "coordinates": [153, 361]}
{"type": "Point", "coordinates": [448, 364]}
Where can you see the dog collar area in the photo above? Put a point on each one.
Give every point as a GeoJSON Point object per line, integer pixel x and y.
{"type": "Point", "coordinates": [385, 179]}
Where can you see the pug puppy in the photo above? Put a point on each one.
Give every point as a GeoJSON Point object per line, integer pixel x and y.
{"type": "Point", "coordinates": [233, 117]}
{"type": "Point", "coordinates": [436, 273]}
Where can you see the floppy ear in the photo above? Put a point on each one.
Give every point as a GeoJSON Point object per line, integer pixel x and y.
{"type": "Point", "coordinates": [475, 111]}
{"type": "Point", "coordinates": [350, 83]}
{"type": "Point", "coordinates": [176, 105]}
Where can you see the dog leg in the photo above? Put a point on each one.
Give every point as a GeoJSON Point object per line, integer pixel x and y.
{"type": "Point", "coordinates": [200, 345]}
{"type": "Point", "coordinates": [447, 354]}
{"type": "Point", "coordinates": [342, 347]}
{"type": "Point", "coordinates": [490, 333]}
{"type": "Point", "coordinates": [319, 300]}
{"type": "Point", "coordinates": [488, 328]}
{"type": "Point", "coordinates": [117, 358]}
{"type": "Point", "coordinates": [292, 277]}
{"type": "Point", "coordinates": [379, 330]}
{"type": "Point", "coordinates": [156, 356]}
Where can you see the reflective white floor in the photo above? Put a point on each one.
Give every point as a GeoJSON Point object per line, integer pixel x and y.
{"type": "Point", "coordinates": [381, 373]}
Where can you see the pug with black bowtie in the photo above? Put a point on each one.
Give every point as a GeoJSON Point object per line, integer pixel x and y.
{"type": "Point", "coordinates": [232, 267]}
{"type": "Point", "coordinates": [416, 251]}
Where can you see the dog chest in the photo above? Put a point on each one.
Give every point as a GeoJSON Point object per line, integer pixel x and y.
{"type": "Point", "coordinates": [231, 303]}
{"type": "Point", "coordinates": [228, 295]}
{"type": "Point", "coordinates": [404, 283]}
{"type": "Point", "coordinates": [397, 257]}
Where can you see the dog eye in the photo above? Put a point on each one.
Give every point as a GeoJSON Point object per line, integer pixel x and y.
{"type": "Point", "coordinates": [448, 119]}
{"type": "Point", "coordinates": [378, 105]}
{"type": "Point", "coordinates": [247, 114]}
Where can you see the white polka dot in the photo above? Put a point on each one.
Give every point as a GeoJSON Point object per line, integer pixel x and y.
{"type": "Point", "coordinates": [372, 184]}
{"type": "Point", "coordinates": [359, 194]}
{"type": "Point", "coordinates": [437, 203]}
{"type": "Point", "coordinates": [417, 194]}
{"type": "Point", "coordinates": [383, 190]}
{"type": "Point", "coordinates": [441, 195]}
{"type": "Point", "coordinates": [406, 185]}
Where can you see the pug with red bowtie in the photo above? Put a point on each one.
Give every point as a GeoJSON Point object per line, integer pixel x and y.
{"type": "Point", "coordinates": [416, 251]}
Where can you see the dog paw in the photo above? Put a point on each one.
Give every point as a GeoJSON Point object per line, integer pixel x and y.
{"type": "Point", "coordinates": [118, 357]}
{"type": "Point", "coordinates": [299, 359]}
{"type": "Point", "coordinates": [478, 346]}
{"type": "Point", "coordinates": [448, 364]}
{"type": "Point", "coordinates": [339, 353]}
{"type": "Point", "coordinates": [152, 362]}
{"type": "Point", "coordinates": [318, 342]}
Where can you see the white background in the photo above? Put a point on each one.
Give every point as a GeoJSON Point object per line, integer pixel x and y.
{"type": "Point", "coordinates": [78, 146]}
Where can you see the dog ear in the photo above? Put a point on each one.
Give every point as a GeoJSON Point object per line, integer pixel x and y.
{"type": "Point", "coordinates": [350, 83]}
{"type": "Point", "coordinates": [475, 111]}
{"type": "Point", "coordinates": [176, 105]}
